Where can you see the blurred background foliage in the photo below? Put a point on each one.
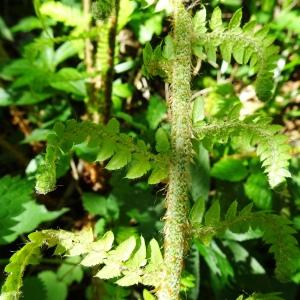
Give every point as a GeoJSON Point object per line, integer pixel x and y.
{"type": "Point", "coordinates": [46, 76]}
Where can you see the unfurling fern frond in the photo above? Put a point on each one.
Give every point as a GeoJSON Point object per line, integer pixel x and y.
{"type": "Point", "coordinates": [130, 261]}
{"type": "Point", "coordinates": [245, 45]}
{"type": "Point", "coordinates": [276, 231]}
{"type": "Point", "coordinates": [109, 143]}
{"type": "Point", "coordinates": [271, 146]}
{"type": "Point", "coordinates": [102, 9]}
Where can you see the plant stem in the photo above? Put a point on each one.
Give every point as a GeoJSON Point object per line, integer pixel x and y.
{"type": "Point", "coordinates": [176, 219]}
{"type": "Point", "coordinates": [111, 62]}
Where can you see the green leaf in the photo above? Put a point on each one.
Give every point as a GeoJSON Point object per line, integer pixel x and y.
{"type": "Point", "coordinates": [5, 98]}
{"type": "Point", "coordinates": [229, 169]}
{"type": "Point", "coordinates": [257, 189]}
{"type": "Point", "coordinates": [52, 283]}
{"type": "Point", "coordinates": [198, 110]}
{"type": "Point", "coordinates": [157, 175]}
{"type": "Point", "coordinates": [169, 49]}
{"type": "Point", "coordinates": [216, 19]}
{"type": "Point", "coordinates": [238, 52]}
{"type": "Point", "coordinates": [212, 216]}
{"type": "Point", "coordinates": [132, 273]}
{"type": "Point", "coordinates": [70, 271]}
{"type": "Point", "coordinates": [33, 215]}
{"type": "Point", "coordinates": [232, 210]}
{"type": "Point", "coordinates": [156, 111]}
{"type": "Point", "coordinates": [107, 150]}
{"type": "Point", "coordinates": [226, 50]}
{"type": "Point", "coordinates": [69, 80]}
{"type": "Point", "coordinates": [95, 204]}
{"type": "Point", "coordinates": [235, 21]}
{"type": "Point", "coordinates": [199, 21]}
{"type": "Point", "coordinates": [197, 210]}
{"type": "Point", "coordinates": [162, 141]}
{"type": "Point", "coordinates": [140, 165]}
{"type": "Point", "coordinates": [147, 295]}
{"type": "Point", "coordinates": [115, 259]}
{"type": "Point", "coordinates": [98, 251]}
{"type": "Point", "coordinates": [119, 160]}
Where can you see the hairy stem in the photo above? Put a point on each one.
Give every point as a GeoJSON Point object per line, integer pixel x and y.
{"type": "Point", "coordinates": [111, 62]}
{"type": "Point", "coordinates": [176, 222]}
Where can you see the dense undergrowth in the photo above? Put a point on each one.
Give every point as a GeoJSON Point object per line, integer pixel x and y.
{"type": "Point", "coordinates": [149, 149]}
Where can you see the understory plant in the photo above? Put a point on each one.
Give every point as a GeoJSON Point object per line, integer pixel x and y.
{"type": "Point", "coordinates": [198, 39]}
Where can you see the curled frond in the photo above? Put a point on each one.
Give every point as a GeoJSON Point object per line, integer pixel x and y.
{"type": "Point", "coordinates": [245, 44]}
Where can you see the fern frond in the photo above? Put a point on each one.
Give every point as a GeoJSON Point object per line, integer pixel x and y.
{"type": "Point", "coordinates": [276, 230]}
{"type": "Point", "coordinates": [129, 261]}
{"type": "Point", "coordinates": [245, 44]}
{"type": "Point", "coordinates": [27, 255]}
{"type": "Point", "coordinates": [158, 61]}
{"type": "Point", "coordinates": [102, 9]}
{"type": "Point", "coordinates": [109, 143]}
{"type": "Point", "coordinates": [271, 146]}
{"type": "Point", "coordinates": [70, 16]}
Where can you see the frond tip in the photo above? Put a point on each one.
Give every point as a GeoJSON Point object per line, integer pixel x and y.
{"type": "Point", "coordinates": [246, 45]}
{"type": "Point", "coordinates": [271, 146]}
{"type": "Point", "coordinates": [129, 261]}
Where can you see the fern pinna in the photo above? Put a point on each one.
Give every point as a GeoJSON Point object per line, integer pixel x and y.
{"type": "Point", "coordinates": [129, 261]}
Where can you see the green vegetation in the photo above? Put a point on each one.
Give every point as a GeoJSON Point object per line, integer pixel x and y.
{"type": "Point", "coordinates": [150, 150]}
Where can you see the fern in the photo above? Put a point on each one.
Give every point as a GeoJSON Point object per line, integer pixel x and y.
{"type": "Point", "coordinates": [130, 262]}
{"type": "Point", "coordinates": [277, 232]}
{"type": "Point", "coordinates": [109, 143]}
{"type": "Point", "coordinates": [245, 45]}
{"type": "Point", "coordinates": [102, 9]}
{"type": "Point", "coordinates": [272, 147]}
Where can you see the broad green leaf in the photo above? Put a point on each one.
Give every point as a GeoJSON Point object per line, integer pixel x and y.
{"type": "Point", "coordinates": [229, 169]}
{"type": "Point", "coordinates": [257, 189]}
{"type": "Point", "coordinates": [19, 213]}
